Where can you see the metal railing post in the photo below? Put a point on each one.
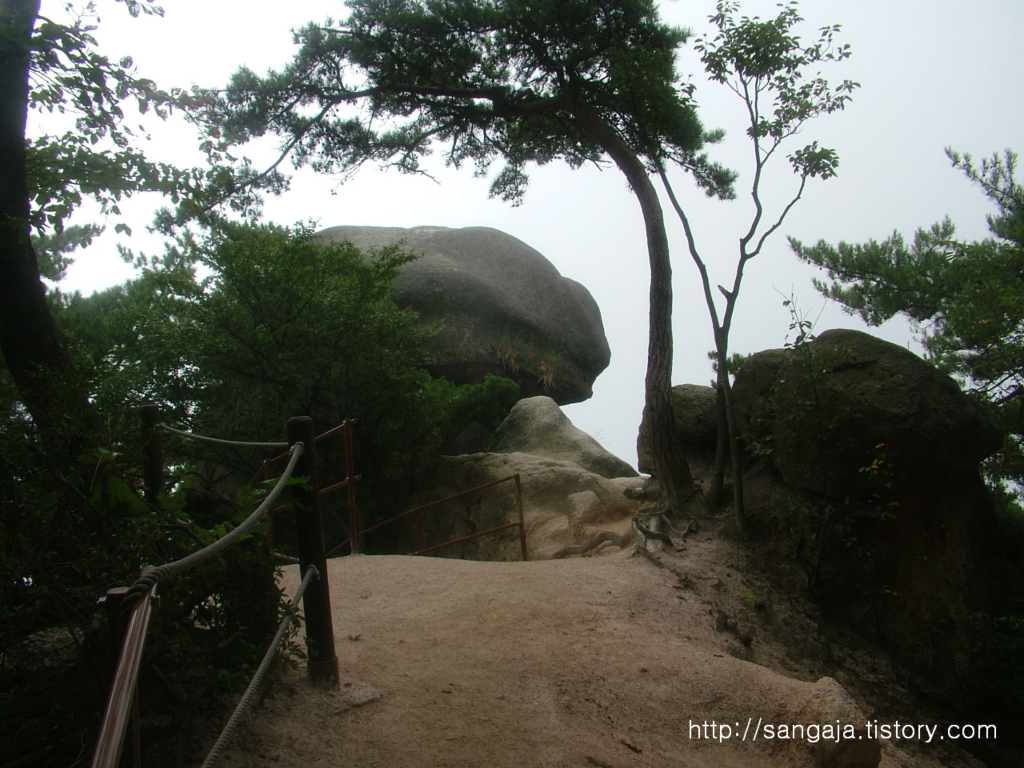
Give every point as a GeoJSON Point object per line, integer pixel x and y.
{"type": "Point", "coordinates": [123, 689]}
{"type": "Point", "coordinates": [522, 524]}
{"type": "Point", "coordinates": [152, 451]}
{"type": "Point", "coordinates": [353, 522]}
{"type": "Point", "coordinates": [322, 664]}
{"type": "Point", "coordinates": [419, 531]}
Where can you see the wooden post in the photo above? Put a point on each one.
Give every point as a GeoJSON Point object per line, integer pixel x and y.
{"type": "Point", "coordinates": [152, 451]}
{"type": "Point", "coordinates": [322, 665]}
{"type": "Point", "coordinates": [115, 627]}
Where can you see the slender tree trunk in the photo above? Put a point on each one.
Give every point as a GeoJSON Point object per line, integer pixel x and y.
{"type": "Point", "coordinates": [670, 465]}
{"type": "Point", "coordinates": [29, 339]}
{"type": "Point", "coordinates": [739, 507]}
{"type": "Point", "coordinates": [721, 448]}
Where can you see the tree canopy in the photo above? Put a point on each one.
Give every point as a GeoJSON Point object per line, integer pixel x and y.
{"type": "Point", "coordinates": [54, 67]}
{"type": "Point", "coordinates": [766, 64]}
{"type": "Point", "coordinates": [513, 82]}
{"type": "Point", "coordinates": [967, 298]}
{"type": "Point", "coordinates": [508, 81]}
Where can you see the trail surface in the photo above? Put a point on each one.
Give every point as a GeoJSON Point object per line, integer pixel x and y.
{"type": "Point", "coordinates": [605, 661]}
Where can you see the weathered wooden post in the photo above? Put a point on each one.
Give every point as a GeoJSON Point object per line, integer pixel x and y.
{"type": "Point", "coordinates": [153, 453]}
{"type": "Point", "coordinates": [322, 664]}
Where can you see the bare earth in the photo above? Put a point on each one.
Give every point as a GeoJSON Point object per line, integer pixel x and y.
{"type": "Point", "coordinates": [605, 661]}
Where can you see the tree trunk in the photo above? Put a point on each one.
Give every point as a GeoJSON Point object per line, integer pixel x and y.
{"type": "Point", "coordinates": [29, 339]}
{"type": "Point", "coordinates": [670, 465]}
{"type": "Point", "coordinates": [721, 448]}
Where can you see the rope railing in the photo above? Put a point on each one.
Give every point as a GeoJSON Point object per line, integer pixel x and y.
{"type": "Point", "coordinates": [219, 441]}
{"type": "Point", "coordinates": [144, 583]}
{"type": "Point", "coordinates": [322, 663]}
{"type": "Point", "coordinates": [415, 514]}
{"type": "Point", "coordinates": [261, 672]}
{"type": "Point", "coordinates": [115, 718]}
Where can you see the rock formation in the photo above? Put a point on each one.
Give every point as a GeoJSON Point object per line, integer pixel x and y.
{"type": "Point", "coordinates": [537, 426]}
{"type": "Point", "coordinates": [827, 412]}
{"type": "Point", "coordinates": [695, 412]}
{"type": "Point", "coordinates": [880, 494]}
{"type": "Point", "coordinates": [562, 504]}
{"type": "Point", "coordinates": [505, 308]}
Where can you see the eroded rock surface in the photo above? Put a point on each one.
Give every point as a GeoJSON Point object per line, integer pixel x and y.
{"type": "Point", "coordinates": [563, 503]}
{"type": "Point", "coordinates": [824, 414]}
{"type": "Point", "coordinates": [537, 426]}
{"type": "Point", "coordinates": [506, 309]}
{"type": "Point", "coordinates": [695, 410]}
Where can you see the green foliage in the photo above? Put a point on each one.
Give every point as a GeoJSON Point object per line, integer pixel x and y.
{"type": "Point", "coordinates": [968, 298]}
{"type": "Point", "coordinates": [69, 533]}
{"type": "Point", "coordinates": [518, 82]}
{"type": "Point", "coordinates": [99, 157]}
{"type": "Point", "coordinates": [765, 64]}
{"type": "Point", "coordinates": [234, 334]}
{"type": "Point", "coordinates": [54, 250]}
{"type": "Point", "coordinates": [487, 404]}
{"type": "Point", "coordinates": [733, 364]}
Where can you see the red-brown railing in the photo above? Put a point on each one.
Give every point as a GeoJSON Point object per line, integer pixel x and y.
{"type": "Point", "coordinates": [349, 482]}
{"type": "Point", "coordinates": [322, 663]}
{"type": "Point", "coordinates": [415, 514]}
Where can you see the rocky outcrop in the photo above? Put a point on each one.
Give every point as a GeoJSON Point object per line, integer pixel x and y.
{"type": "Point", "coordinates": [868, 456]}
{"type": "Point", "coordinates": [847, 401]}
{"type": "Point", "coordinates": [695, 410]}
{"type": "Point", "coordinates": [537, 426]}
{"type": "Point", "coordinates": [847, 743]}
{"type": "Point", "coordinates": [505, 308]}
{"type": "Point", "coordinates": [562, 504]}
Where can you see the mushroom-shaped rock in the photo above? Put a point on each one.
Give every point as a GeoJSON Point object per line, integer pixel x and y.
{"type": "Point", "coordinates": [537, 426]}
{"type": "Point", "coordinates": [504, 308]}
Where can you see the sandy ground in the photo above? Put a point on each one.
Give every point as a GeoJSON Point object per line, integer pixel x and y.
{"type": "Point", "coordinates": [605, 661]}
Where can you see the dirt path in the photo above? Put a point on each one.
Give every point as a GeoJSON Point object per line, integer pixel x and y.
{"type": "Point", "coordinates": [604, 661]}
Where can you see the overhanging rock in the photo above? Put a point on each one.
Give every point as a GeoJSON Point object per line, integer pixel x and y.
{"type": "Point", "coordinates": [506, 309]}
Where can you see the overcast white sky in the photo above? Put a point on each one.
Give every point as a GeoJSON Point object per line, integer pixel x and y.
{"type": "Point", "coordinates": [933, 73]}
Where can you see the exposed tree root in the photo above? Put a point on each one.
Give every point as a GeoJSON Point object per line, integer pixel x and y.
{"type": "Point", "coordinates": [604, 537]}
{"type": "Point", "coordinates": [639, 534]}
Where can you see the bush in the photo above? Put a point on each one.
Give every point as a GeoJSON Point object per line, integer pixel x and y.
{"type": "Point", "coordinates": [71, 531]}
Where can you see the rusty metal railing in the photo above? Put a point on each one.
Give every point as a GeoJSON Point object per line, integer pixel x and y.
{"type": "Point", "coordinates": [349, 483]}
{"type": "Point", "coordinates": [415, 514]}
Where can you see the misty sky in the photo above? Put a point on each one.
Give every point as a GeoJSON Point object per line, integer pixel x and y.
{"type": "Point", "coordinates": [933, 73]}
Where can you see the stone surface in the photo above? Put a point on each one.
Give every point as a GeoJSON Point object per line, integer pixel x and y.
{"type": "Point", "coordinates": [695, 410]}
{"type": "Point", "coordinates": [830, 705]}
{"type": "Point", "coordinates": [537, 426]}
{"type": "Point", "coordinates": [881, 452]}
{"type": "Point", "coordinates": [506, 309]}
{"type": "Point", "coordinates": [849, 399]}
{"type": "Point", "coordinates": [562, 504]}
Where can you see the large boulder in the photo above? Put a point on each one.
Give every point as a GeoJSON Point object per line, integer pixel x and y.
{"type": "Point", "coordinates": [563, 504]}
{"type": "Point", "coordinates": [505, 309]}
{"type": "Point", "coordinates": [848, 402]}
{"type": "Point", "coordinates": [537, 426]}
{"type": "Point", "coordinates": [873, 457]}
{"type": "Point", "coordinates": [695, 410]}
